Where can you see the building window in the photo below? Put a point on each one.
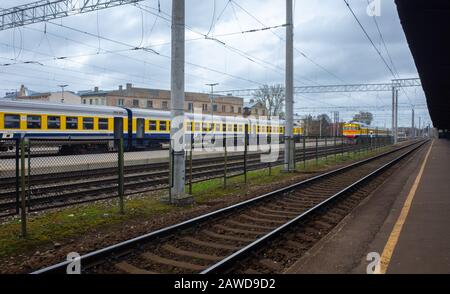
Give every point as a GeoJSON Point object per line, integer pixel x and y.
{"type": "Point", "coordinates": [165, 105]}
{"type": "Point", "coordinates": [120, 102]}
{"type": "Point", "coordinates": [224, 108]}
{"type": "Point", "coordinates": [232, 109]}
{"type": "Point", "coordinates": [149, 104]}
{"type": "Point", "coordinates": [33, 121]}
{"type": "Point", "coordinates": [214, 107]}
{"type": "Point", "coordinates": [90, 101]}
{"type": "Point", "coordinates": [12, 121]}
{"type": "Point", "coordinates": [256, 110]}
{"type": "Point", "coordinates": [88, 123]}
{"type": "Point", "coordinates": [135, 103]}
{"type": "Point", "coordinates": [239, 110]}
{"type": "Point", "coordinates": [190, 106]}
{"type": "Point", "coordinates": [103, 124]}
{"type": "Point", "coordinates": [84, 101]}
{"type": "Point", "coordinates": [205, 107]}
{"type": "Point", "coordinates": [103, 101]}
{"type": "Point", "coordinates": [53, 122]}
{"type": "Point", "coordinates": [263, 112]}
{"type": "Point", "coordinates": [71, 123]}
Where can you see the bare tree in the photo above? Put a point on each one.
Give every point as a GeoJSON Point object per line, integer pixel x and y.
{"type": "Point", "coordinates": [272, 97]}
{"type": "Point", "coordinates": [363, 117]}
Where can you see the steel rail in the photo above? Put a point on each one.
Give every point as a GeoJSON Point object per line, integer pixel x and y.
{"type": "Point", "coordinates": [118, 249]}
{"type": "Point", "coordinates": [246, 251]}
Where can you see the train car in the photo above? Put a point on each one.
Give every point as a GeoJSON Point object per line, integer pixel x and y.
{"type": "Point", "coordinates": [39, 120]}
{"type": "Point", "coordinates": [142, 128]}
{"type": "Point", "coordinates": [355, 130]}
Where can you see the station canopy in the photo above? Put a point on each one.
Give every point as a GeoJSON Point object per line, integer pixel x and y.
{"type": "Point", "coordinates": [427, 28]}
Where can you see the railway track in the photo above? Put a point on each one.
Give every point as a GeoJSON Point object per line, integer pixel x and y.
{"type": "Point", "coordinates": [62, 189]}
{"type": "Point", "coordinates": [238, 238]}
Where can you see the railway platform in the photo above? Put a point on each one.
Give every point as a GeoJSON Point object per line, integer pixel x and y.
{"type": "Point", "coordinates": [404, 224]}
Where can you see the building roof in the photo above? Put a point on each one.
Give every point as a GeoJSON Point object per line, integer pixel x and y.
{"type": "Point", "coordinates": [87, 93]}
{"type": "Point", "coordinates": [251, 104]}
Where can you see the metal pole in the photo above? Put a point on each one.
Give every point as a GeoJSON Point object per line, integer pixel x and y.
{"type": "Point", "coordinates": [190, 169]}
{"type": "Point", "coordinates": [17, 175]}
{"type": "Point", "coordinates": [120, 154]}
{"type": "Point", "coordinates": [245, 152]}
{"type": "Point", "coordinates": [317, 151]}
{"type": "Point", "coordinates": [288, 154]}
{"type": "Point", "coordinates": [212, 99]}
{"type": "Point", "coordinates": [23, 212]}
{"type": "Point", "coordinates": [304, 152]}
{"type": "Point", "coordinates": [177, 103]}
{"type": "Point", "coordinates": [396, 117]}
{"type": "Point", "coordinates": [413, 129]}
{"type": "Point", "coordinates": [225, 159]}
{"type": "Point", "coordinates": [393, 113]}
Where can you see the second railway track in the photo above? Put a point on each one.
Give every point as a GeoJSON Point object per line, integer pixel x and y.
{"type": "Point", "coordinates": [61, 189]}
{"type": "Point", "coordinates": [218, 241]}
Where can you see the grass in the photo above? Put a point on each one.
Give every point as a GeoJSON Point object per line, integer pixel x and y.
{"type": "Point", "coordinates": [72, 222]}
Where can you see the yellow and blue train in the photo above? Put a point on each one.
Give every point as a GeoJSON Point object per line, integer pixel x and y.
{"type": "Point", "coordinates": [142, 128]}
{"type": "Point", "coordinates": [356, 130]}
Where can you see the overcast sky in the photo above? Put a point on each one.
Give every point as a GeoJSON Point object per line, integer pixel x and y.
{"type": "Point", "coordinates": [69, 51]}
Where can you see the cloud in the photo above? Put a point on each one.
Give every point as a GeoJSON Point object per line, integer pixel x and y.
{"type": "Point", "coordinates": [324, 30]}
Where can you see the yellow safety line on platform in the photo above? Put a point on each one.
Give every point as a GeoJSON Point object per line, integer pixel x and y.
{"type": "Point", "coordinates": [395, 234]}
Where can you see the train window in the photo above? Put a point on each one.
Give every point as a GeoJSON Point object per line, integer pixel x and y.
{"type": "Point", "coordinates": [235, 128]}
{"type": "Point", "coordinates": [197, 127]}
{"type": "Point", "coordinates": [224, 127]}
{"type": "Point", "coordinates": [152, 125]}
{"type": "Point", "coordinates": [103, 124]}
{"type": "Point", "coordinates": [217, 127]}
{"type": "Point", "coordinates": [168, 125]}
{"type": "Point", "coordinates": [254, 129]}
{"type": "Point", "coordinates": [71, 123]}
{"type": "Point", "coordinates": [12, 121]}
{"type": "Point", "coordinates": [162, 125]}
{"type": "Point", "coordinates": [240, 129]}
{"type": "Point", "coordinates": [205, 127]}
{"type": "Point", "coordinates": [33, 121]}
{"type": "Point", "coordinates": [189, 126]}
{"type": "Point", "coordinates": [53, 122]}
{"type": "Point", "coordinates": [88, 123]}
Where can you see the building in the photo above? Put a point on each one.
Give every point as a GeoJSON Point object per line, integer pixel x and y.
{"type": "Point", "coordinates": [134, 97]}
{"type": "Point", "coordinates": [93, 97]}
{"type": "Point", "coordinates": [56, 97]}
{"type": "Point", "coordinates": [255, 108]}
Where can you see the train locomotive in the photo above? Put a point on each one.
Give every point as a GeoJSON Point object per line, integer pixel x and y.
{"type": "Point", "coordinates": [359, 131]}
{"type": "Point", "coordinates": [91, 128]}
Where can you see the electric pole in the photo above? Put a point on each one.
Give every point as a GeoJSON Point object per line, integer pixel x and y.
{"type": "Point", "coordinates": [62, 92]}
{"type": "Point", "coordinates": [289, 144]}
{"type": "Point", "coordinates": [413, 129]}
{"type": "Point", "coordinates": [177, 148]}
{"type": "Point", "coordinates": [212, 98]}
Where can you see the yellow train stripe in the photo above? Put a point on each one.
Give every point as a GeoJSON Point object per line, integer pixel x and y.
{"type": "Point", "coordinates": [395, 234]}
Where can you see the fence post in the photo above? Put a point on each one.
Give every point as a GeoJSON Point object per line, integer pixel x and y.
{"type": "Point", "coordinates": [335, 149]}
{"type": "Point", "coordinates": [23, 212]}
{"type": "Point", "coordinates": [317, 151]}
{"type": "Point", "coordinates": [245, 152]}
{"type": "Point", "coordinates": [29, 172]}
{"type": "Point", "coordinates": [120, 161]}
{"type": "Point", "coordinates": [190, 169]}
{"type": "Point", "coordinates": [304, 152]}
{"type": "Point", "coordinates": [270, 162]}
{"type": "Point", "coordinates": [17, 176]}
{"type": "Point", "coordinates": [225, 158]}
